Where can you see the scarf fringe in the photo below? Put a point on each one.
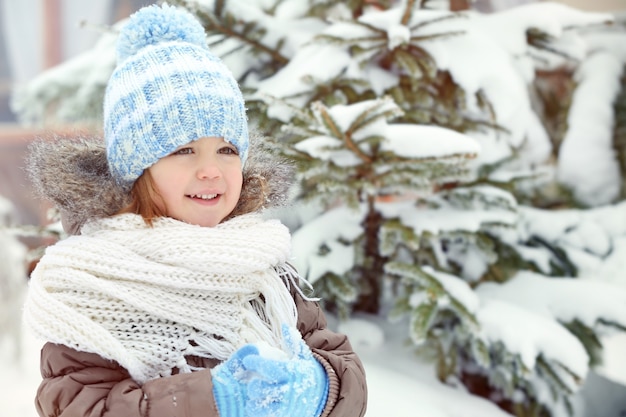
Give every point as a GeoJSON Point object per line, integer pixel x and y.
{"type": "Point", "coordinates": [208, 347]}
{"type": "Point", "coordinates": [291, 277]}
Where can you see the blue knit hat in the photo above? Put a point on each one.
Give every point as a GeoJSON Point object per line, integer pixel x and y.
{"type": "Point", "coordinates": [167, 90]}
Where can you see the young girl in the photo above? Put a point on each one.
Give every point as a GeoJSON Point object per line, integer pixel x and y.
{"type": "Point", "coordinates": [174, 297]}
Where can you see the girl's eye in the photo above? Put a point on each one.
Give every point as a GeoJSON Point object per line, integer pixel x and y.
{"type": "Point", "coordinates": [228, 150]}
{"type": "Point", "coordinates": [183, 151]}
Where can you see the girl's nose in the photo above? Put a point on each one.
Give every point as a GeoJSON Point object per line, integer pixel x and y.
{"type": "Point", "coordinates": [208, 169]}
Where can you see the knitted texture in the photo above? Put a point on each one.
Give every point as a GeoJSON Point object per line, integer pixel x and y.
{"type": "Point", "coordinates": [167, 90]}
{"type": "Point", "coordinates": [229, 384]}
{"type": "Point", "coordinates": [147, 297]}
{"type": "Point", "coordinates": [294, 386]}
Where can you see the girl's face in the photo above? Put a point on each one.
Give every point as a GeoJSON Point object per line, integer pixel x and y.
{"type": "Point", "coordinates": [200, 182]}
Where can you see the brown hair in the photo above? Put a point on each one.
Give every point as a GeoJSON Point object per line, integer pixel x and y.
{"type": "Point", "coordinates": [146, 201]}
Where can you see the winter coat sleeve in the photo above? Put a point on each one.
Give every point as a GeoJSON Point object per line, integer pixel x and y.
{"type": "Point", "coordinates": [348, 388]}
{"type": "Point", "coordinates": [80, 384]}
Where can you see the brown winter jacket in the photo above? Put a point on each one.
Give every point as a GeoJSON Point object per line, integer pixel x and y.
{"type": "Point", "coordinates": [74, 175]}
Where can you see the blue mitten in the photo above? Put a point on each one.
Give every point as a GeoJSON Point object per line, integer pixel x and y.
{"type": "Point", "coordinates": [229, 383]}
{"type": "Point", "coordinates": [293, 387]}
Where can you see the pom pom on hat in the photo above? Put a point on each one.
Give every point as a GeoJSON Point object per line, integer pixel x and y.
{"type": "Point", "coordinates": [156, 25]}
{"type": "Point", "coordinates": [167, 90]}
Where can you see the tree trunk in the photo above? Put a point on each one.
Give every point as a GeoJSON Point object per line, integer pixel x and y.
{"type": "Point", "coordinates": [459, 5]}
{"type": "Point", "coordinates": [372, 271]}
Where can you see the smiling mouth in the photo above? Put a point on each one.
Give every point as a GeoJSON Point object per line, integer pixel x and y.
{"type": "Point", "coordinates": [203, 196]}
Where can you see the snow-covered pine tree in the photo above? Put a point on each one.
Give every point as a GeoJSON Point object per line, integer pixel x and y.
{"type": "Point", "coordinates": [382, 104]}
{"type": "Point", "coordinates": [351, 157]}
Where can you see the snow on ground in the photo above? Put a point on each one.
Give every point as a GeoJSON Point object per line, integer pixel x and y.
{"type": "Point", "coordinates": [19, 377]}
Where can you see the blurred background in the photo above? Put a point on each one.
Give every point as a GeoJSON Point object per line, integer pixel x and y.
{"type": "Point", "coordinates": [36, 35]}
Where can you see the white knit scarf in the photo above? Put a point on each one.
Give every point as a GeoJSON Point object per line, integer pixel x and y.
{"type": "Point", "coordinates": [148, 296]}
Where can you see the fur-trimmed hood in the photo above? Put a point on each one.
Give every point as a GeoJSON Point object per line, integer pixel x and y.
{"type": "Point", "coordinates": [74, 175]}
